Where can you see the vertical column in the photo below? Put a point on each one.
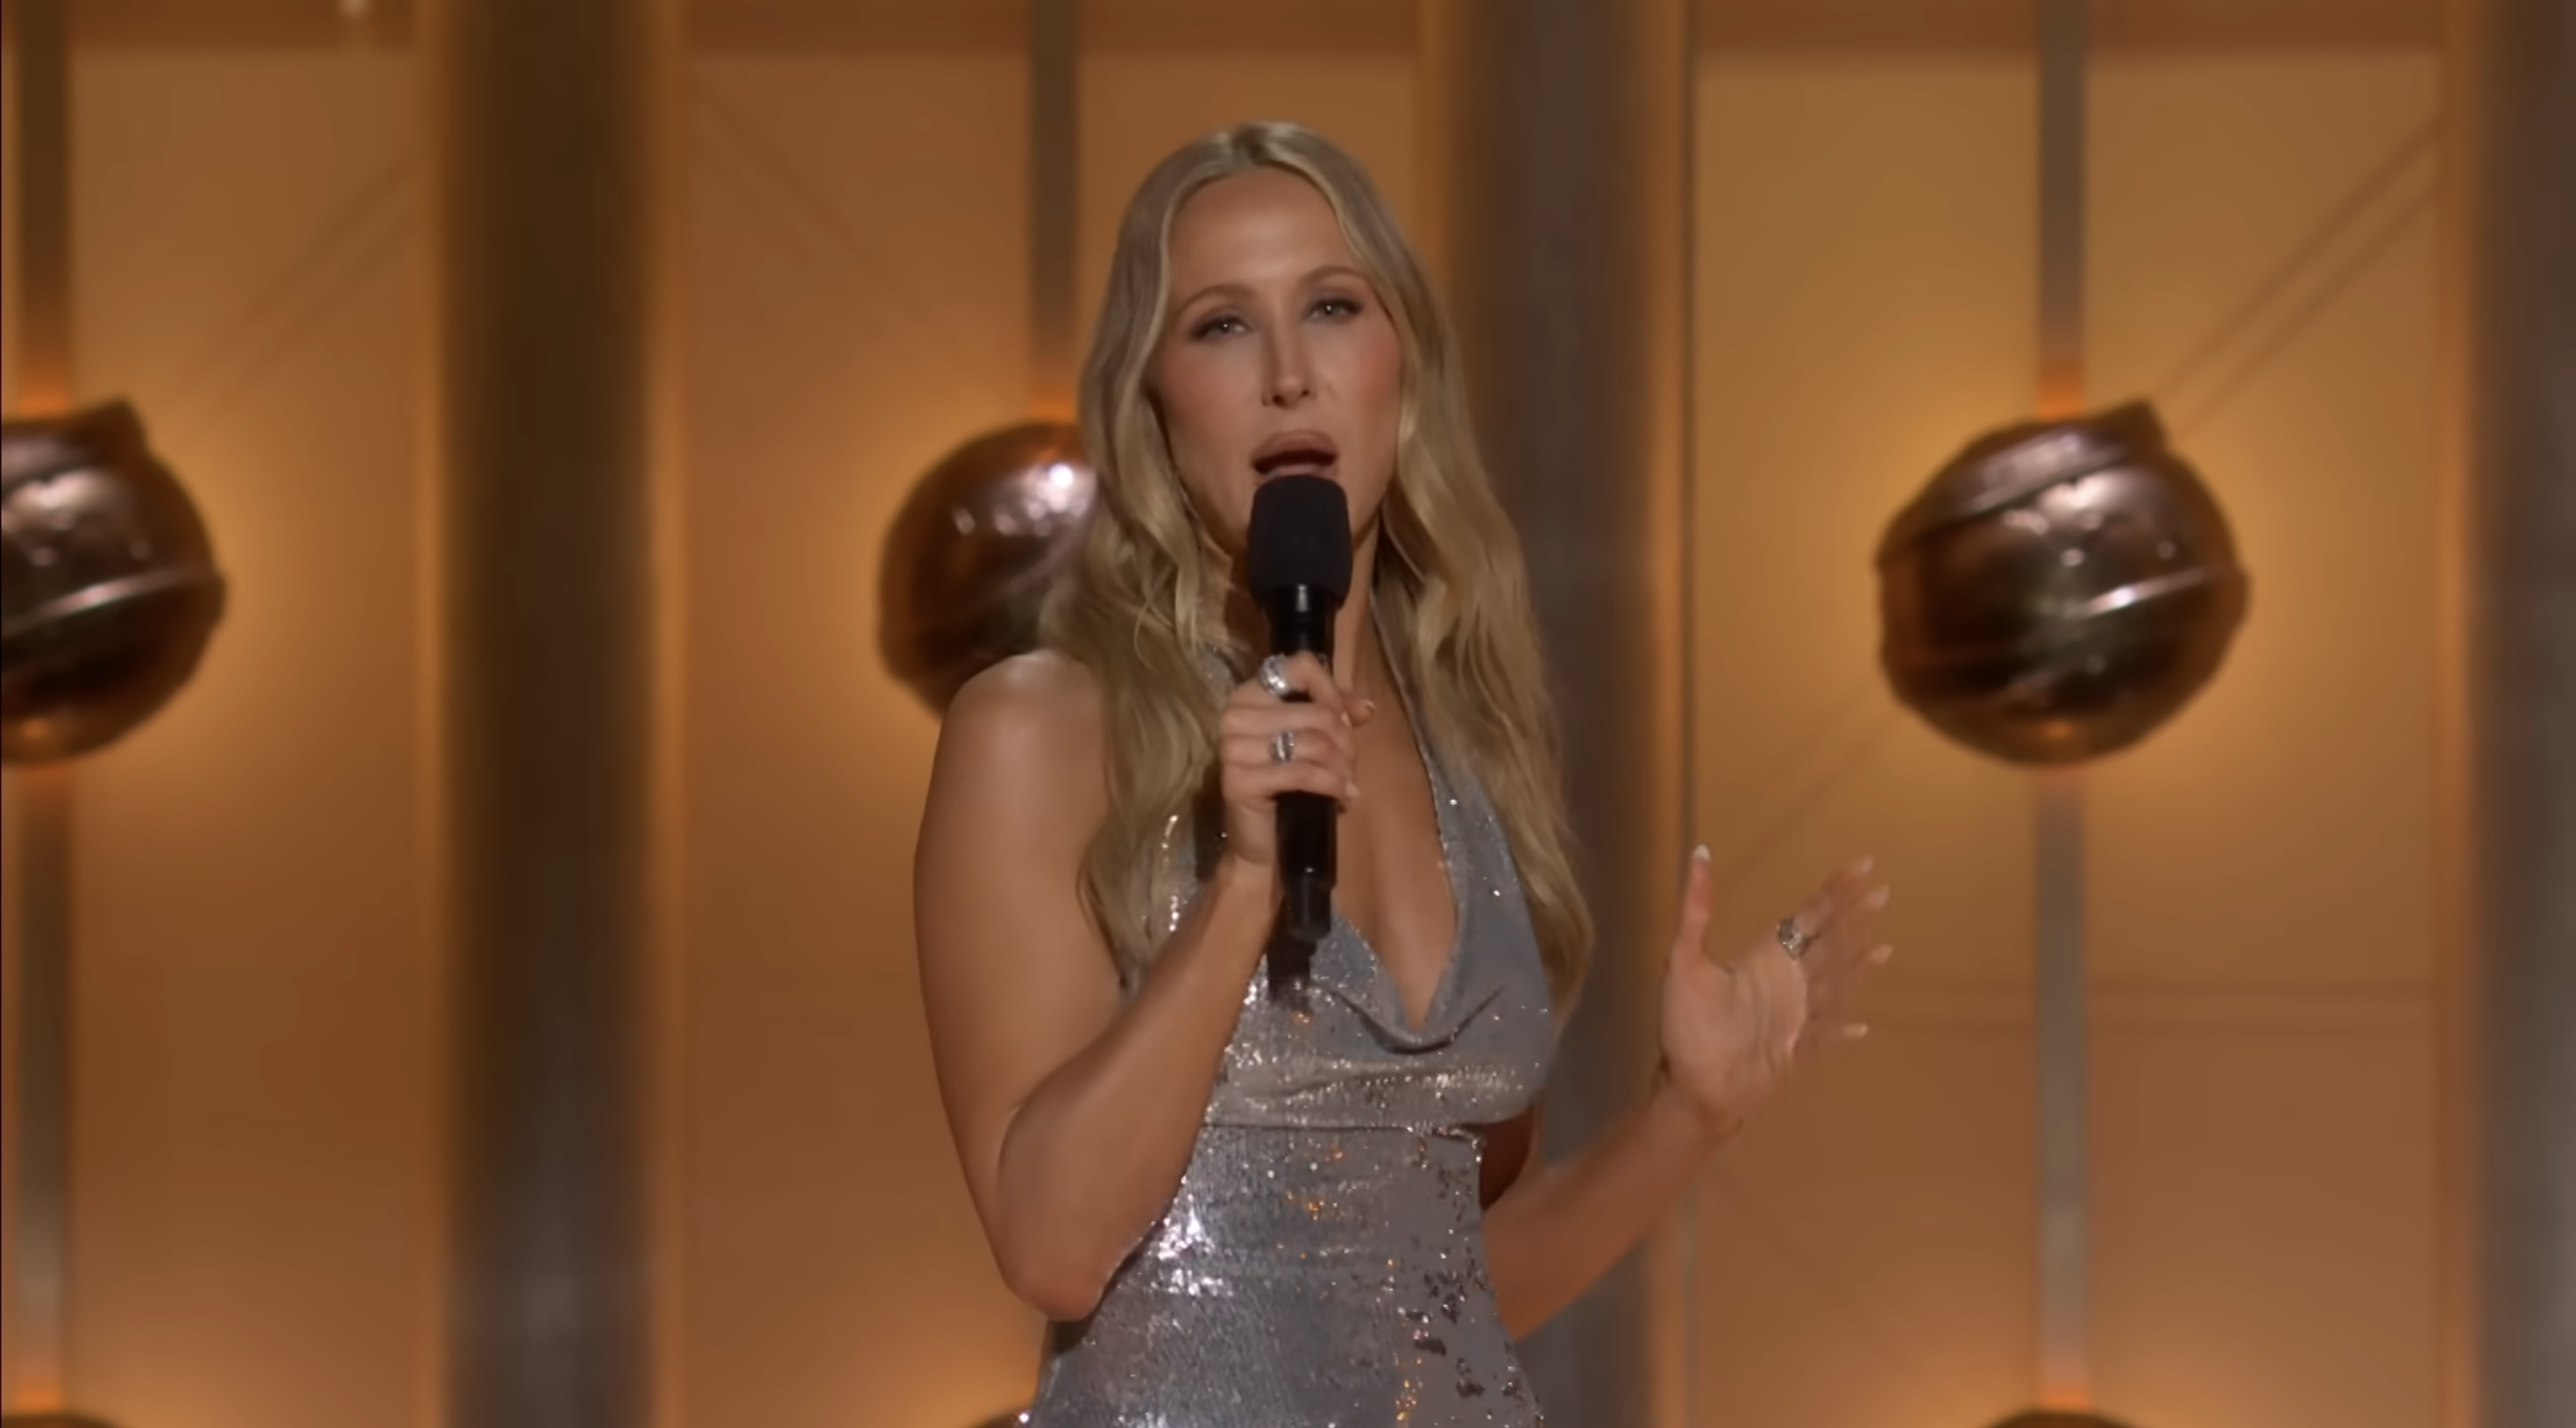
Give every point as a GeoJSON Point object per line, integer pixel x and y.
{"type": "Point", "coordinates": [40, 842]}
{"type": "Point", "coordinates": [545, 122]}
{"type": "Point", "coordinates": [42, 99]}
{"type": "Point", "coordinates": [1055, 111]}
{"type": "Point", "coordinates": [2512, 565]}
{"type": "Point", "coordinates": [1556, 164]}
{"type": "Point", "coordinates": [40, 1026]}
{"type": "Point", "coordinates": [2057, 805]}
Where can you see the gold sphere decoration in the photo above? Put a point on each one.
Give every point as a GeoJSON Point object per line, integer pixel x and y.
{"type": "Point", "coordinates": [108, 587]}
{"type": "Point", "coordinates": [972, 554]}
{"type": "Point", "coordinates": [2059, 590]}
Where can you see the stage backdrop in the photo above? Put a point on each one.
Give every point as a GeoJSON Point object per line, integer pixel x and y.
{"type": "Point", "coordinates": [2259, 873]}
{"type": "Point", "coordinates": [257, 1154]}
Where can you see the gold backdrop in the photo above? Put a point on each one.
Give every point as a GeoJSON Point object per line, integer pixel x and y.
{"type": "Point", "coordinates": [256, 1144]}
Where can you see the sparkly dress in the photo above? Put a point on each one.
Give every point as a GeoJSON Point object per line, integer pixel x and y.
{"type": "Point", "coordinates": [1322, 1264]}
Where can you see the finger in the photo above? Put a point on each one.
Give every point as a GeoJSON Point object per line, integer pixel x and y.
{"type": "Point", "coordinates": [1846, 959]}
{"type": "Point", "coordinates": [1258, 754]}
{"type": "Point", "coordinates": [1310, 678]}
{"type": "Point", "coordinates": [1824, 1040]}
{"type": "Point", "coordinates": [1847, 938]}
{"type": "Point", "coordinates": [1311, 734]}
{"type": "Point", "coordinates": [1815, 916]}
{"type": "Point", "coordinates": [1253, 754]}
{"type": "Point", "coordinates": [1848, 964]}
{"type": "Point", "coordinates": [1829, 988]}
{"type": "Point", "coordinates": [1298, 776]}
{"type": "Point", "coordinates": [1845, 889]}
{"type": "Point", "coordinates": [1692, 935]}
{"type": "Point", "coordinates": [1861, 900]}
{"type": "Point", "coordinates": [1837, 939]}
{"type": "Point", "coordinates": [1312, 724]}
{"type": "Point", "coordinates": [1313, 728]}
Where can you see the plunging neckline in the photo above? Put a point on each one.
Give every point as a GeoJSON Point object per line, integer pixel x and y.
{"type": "Point", "coordinates": [1443, 799]}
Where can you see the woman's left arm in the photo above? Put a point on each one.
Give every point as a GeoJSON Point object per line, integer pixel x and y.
{"type": "Point", "coordinates": [1730, 1032]}
{"type": "Point", "coordinates": [1560, 1227]}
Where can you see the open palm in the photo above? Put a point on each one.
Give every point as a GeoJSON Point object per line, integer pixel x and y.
{"type": "Point", "coordinates": [1732, 1029]}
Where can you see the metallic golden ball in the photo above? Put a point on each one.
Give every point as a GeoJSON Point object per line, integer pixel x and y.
{"type": "Point", "coordinates": [108, 588]}
{"type": "Point", "coordinates": [2059, 590]}
{"type": "Point", "coordinates": [970, 557]}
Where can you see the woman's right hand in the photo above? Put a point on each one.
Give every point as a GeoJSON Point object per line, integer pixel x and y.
{"type": "Point", "coordinates": [1251, 776]}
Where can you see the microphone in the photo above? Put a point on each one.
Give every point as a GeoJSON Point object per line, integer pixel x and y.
{"type": "Point", "coordinates": [1298, 559]}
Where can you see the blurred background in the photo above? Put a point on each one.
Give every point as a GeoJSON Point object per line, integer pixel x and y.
{"type": "Point", "coordinates": [261, 1068]}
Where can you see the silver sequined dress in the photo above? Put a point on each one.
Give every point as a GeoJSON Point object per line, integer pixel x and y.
{"type": "Point", "coordinates": [1322, 1263]}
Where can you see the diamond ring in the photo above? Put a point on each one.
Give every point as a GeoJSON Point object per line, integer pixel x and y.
{"type": "Point", "coordinates": [1794, 939]}
{"type": "Point", "coordinates": [1273, 675]}
{"type": "Point", "coordinates": [1283, 746]}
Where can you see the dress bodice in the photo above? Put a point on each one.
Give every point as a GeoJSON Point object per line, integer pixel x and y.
{"type": "Point", "coordinates": [1322, 1261]}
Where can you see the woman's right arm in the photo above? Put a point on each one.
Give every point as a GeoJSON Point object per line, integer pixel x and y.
{"type": "Point", "coordinates": [1073, 1117]}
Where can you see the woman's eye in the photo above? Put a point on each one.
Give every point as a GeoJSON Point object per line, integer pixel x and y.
{"type": "Point", "coordinates": [1337, 307]}
{"type": "Point", "coordinates": [1221, 325]}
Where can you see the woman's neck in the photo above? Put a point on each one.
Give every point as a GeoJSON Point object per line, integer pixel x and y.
{"type": "Point", "coordinates": [1358, 660]}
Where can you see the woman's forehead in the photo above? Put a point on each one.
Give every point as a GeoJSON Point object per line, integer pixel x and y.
{"type": "Point", "coordinates": [1259, 225]}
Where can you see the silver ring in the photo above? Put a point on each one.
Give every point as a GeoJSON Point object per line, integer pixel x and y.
{"type": "Point", "coordinates": [1273, 675]}
{"type": "Point", "coordinates": [1794, 939]}
{"type": "Point", "coordinates": [1283, 746]}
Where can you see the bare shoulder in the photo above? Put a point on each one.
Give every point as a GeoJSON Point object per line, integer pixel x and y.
{"type": "Point", "coordinates": [1018, 786]}
{"type": "Point", "coordinates": [1016, 793]}
{"type": "Point", "coordinates": [1030, 723]}
{"type": "Point", "coordinates": [1040, 685]}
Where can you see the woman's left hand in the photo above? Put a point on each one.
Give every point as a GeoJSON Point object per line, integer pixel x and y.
{"type": "Point", "coordinates": [1732, 1030]}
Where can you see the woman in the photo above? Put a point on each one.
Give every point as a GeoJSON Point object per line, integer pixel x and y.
{"type": "Point", "coordinates": [1294, 1205]}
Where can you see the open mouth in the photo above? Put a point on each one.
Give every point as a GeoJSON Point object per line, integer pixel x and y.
{"type": "Point", "coordinates": [1295, 453]}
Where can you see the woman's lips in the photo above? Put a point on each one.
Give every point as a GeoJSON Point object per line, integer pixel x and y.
{"type": "Point", "coordinates": [1295, 453]}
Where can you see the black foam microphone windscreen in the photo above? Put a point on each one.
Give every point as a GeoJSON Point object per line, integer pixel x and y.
{"type": "Point", "coordinates": [1300, 536]}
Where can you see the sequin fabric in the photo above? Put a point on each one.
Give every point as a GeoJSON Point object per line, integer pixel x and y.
{"type": "Point", "coordinates": [1322, 1264]}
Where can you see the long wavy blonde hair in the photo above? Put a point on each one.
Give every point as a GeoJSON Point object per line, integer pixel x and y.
{"type": "Point", "coordinates": [1141, 606]}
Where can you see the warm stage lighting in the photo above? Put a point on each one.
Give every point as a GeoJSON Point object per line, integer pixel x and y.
{"type": "Point", "coordinates": [110, 592]}
{"type": "Point", "coordinates": [2059, 590]}
{"type": "Point", "coordinates": [2046, 1418]}
{"type": "Point", "coordinates": [970, 557]}
{"type": "Point", "coordinates": [53, 1420]}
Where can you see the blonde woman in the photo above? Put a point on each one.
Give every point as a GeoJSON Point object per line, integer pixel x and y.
{"type": "Point", "coordinates": [1245, 1206]}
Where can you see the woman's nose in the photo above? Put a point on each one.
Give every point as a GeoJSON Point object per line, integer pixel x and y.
{"type": "Point", "coordinates": [1289, 381]}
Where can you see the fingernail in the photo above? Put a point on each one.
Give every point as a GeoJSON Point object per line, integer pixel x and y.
{"type": "Point", "coordinates": [1352, 790]}
{"type": "Point", "coordinates": [1880, 957]}
{"type": "Point", "coordinates": [1879, 898]}
{"type": "Point", "coordinates": [1346, 721]}
{"type": "Point", "coordinates": [1866, 864]}
{"type": "Point", "coordinates": [1700, 853]}
{"type": "Point", "coordinates": [1858, 1030]}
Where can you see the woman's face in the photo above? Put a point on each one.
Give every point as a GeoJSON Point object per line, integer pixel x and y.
{"type": "Point", "coordinates": [1276, 357]}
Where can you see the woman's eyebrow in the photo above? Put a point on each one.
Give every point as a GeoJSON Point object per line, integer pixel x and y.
{"type": "Point", "coordinates": [1239, 290]}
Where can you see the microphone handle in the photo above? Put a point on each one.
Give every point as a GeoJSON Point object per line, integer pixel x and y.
{"type": "Point", "coordinates": [1301, 622]}
{"type": "Point", "coordinates": [1306, 866]}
